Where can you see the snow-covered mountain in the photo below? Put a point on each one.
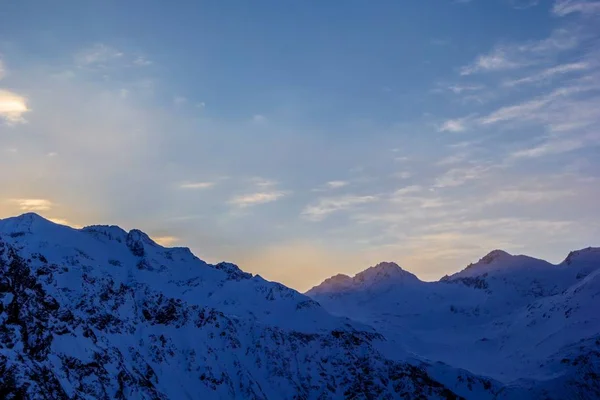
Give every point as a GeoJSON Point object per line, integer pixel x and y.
{"type": "Point", "coordinates": [101, 313]}
{"type": "Point", "coordinates": [522, 321]}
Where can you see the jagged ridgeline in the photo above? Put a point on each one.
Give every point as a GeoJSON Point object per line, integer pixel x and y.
{"type": "Point", "coordinates": [101, 313]}
{"type": "Point", "coordinates": [519, 320]}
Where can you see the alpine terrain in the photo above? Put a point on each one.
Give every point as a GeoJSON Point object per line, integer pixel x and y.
{"type": "Point", "coordinates": [518, 320]}
{"type": "Point", "coordinates": [101, 313]}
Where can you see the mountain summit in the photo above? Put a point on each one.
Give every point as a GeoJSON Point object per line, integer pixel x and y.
{"type": "Point", "coordinates": [382, 274]}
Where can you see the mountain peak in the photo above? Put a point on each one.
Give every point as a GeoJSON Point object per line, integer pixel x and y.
{"type": "Point", "coordinates": [384, 271]}
{"type": "Point", "coordinates": [589, 254]}
{"type": "Point", "coordinates": [494, 256]}
{"type": "Point", "coordinates": [380, 274]}
{"type": "Point", "coordinates": [24, 223]}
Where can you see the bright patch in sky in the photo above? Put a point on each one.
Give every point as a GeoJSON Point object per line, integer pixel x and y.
{"type": "Point", "coordinates": [308, 139]}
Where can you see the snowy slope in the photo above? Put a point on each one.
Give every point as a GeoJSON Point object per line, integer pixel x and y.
{"type": "Point", "coordinates": [101, 313]}
{"type": "Point", "coordinates": [516, 319]}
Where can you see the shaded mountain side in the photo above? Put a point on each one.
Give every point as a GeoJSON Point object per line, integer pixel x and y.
{"type": "Point", "coordinates": [512, 318]}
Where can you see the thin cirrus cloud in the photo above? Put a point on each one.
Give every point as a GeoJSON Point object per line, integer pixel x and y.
{"type": "Point", "coordinates": [549, 73]}
{"type": "Point", "coordinates": [197, 185]}
{"type": "Point", "coordinates": [33, 204]}
{"type": "Point", "coordinates": [552, 147]}
{"type": "Point", "coordinates": [513, 56]}
{"type": "Point", "coordinates": [325, 206]}
{"type": "Point", "coordinates": [565, 7]}
{"type": "Point", "coordinates": [97, 55]}
{"type": "Point", "coordinates": [521, 196]}
{"type": "Point", "coordinates": [253, 199]}
{"type": "Point", "coordinates": [459, 176]}
{"type": "Point", "coordinates": [336, 184]}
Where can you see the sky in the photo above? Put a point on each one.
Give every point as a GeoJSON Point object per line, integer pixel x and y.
{"type": "Point", "coordinates": [301, 139]}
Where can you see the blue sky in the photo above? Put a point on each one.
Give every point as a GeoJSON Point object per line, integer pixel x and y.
{"type": "Point", "coordinates": [301, 139]}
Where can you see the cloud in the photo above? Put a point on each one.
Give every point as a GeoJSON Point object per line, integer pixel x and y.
{"type": "Point", "coordinates": [453, 159]}
{"type": "Point", "coordinates": [524, 4]}
{"type": "Point", "coordinates": [12, 107]}
{"type": "Point", "coordinates": [166, 241]}
{"type": "Point", "coordinates": [98, 55]}
{"type": "Point", "coordinates": [406, 190]}
{"type": "Point", "coordinates": [253, 199]}
{"type": "Point", "coordinates": [565, 7]}
{"type": "Point", "coordinates": [142, 61]}
{"type": "Point", "coordinates": [454, 125]}
{"type": "Point", "coordinates": [262, 182]}
{"type": "Point", "coordinates": [521, 196]}
{"type": "Point", "coordinates": [336, 184]}
{"type": "Point", "coordinates": [33, 204]}
{"type": "Point", "coordinates": [2, 70]}
{"type": "Point", "coordinates": [517, 55]}
{"type": "Point", "coordinates": [197, 185]}
{"type": "Point", "coordinates": [458, 89]}
{"type": "Point", "coordinates": [499, 59]}
{"type": "Point", "coordinates": [537, 109]}
{"type": "Point", "coordinates": [459, 176]}
{"type": "Point", "coordinates": [523, 110]}
{"type": "Point", "coordinates": [326, 206]}
{"type": "Point", "coordinates": [551, 147]}
{"type": "Point", "coordinates": [549, 73]}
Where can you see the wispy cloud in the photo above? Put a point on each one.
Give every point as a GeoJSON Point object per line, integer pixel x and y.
{"type": "Point", "coordinates": [197, 185]}
{"type": "Point", "coordinates": [459, 176]}
{"type": "Point", "coordinates": [253, 199]}
{"type": "Point", "coordinates": [499, 59]}
{"type": "Point", "coordinates": [406, 190]}
{"type": "Point", "coordinates": [142, 61]}
{"type": "Point", "coordinates": [326, 206]}
{"type": "Point", "coordinates": [33, 204]}
{"type": "Point", "coordinates": [529, 110]}
{"type": "Point", "coordinates": [458, 89]}
{"type": "Point", "coordinates": [565, 7]}
{"type": "Point", "coordinates": [549, 73]}
{"type": "Point", "coordinates": [516, 55]}
{"type": "Point", "coordinates": [262, 182]}
{"type": "Point", "coordinates": [12, 107]}
{"type": "Point", "coordinates": [97, 55]}
{"type": "Point", "coordinates": [524, 4]}
{"type": "Point", "coordinates": [555, 146]}
{"type": "Point", "coordinates": [336, 184]}
{"type": "Point", "coordinates": [454, 125]}
{"type": "Point", "coordinates": [517, 195]}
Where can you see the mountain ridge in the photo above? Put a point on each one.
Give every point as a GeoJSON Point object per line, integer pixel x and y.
{"type": "Point", "coordinates": [494, 261]}
{"type": "Point", "coordinates": [101, 313]}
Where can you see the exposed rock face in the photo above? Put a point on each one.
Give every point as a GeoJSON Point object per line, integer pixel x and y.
{"type": "Point", "coordinates": [99, 313]}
